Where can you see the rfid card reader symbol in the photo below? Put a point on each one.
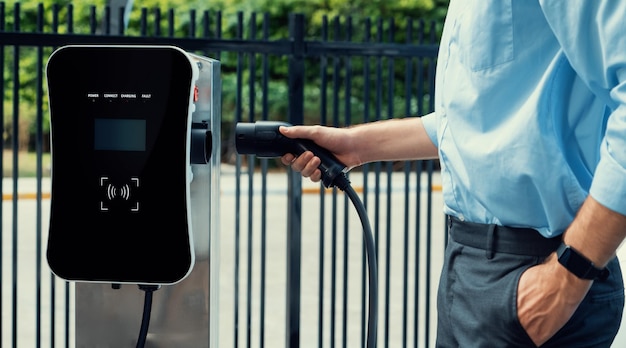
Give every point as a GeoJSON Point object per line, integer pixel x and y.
{"type": "Point", "coordinates": [124, 192]}
{"type": "Point", "coordinates": [118, 192]}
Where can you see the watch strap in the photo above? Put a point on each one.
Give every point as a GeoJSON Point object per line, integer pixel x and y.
{"type": "Point", "coordinates": [578, 264]}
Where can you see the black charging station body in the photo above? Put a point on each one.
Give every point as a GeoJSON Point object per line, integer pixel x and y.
{"type": "Point", "coordinates": [120, 130]}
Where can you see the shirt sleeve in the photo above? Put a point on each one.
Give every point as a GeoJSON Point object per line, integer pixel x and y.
{"type": "Point", "coordinates": [592, 36]}
{"type": "Point", "coordinates": [430, 124]}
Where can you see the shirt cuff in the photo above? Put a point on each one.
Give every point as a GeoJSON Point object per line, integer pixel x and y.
{"type": "Point", "coordinates": [609, 182]}
{"type": "Point", "coordinates": [430, 124]}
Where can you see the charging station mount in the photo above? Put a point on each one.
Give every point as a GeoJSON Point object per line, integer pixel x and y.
{"type": "Point", "coordinates": [124, 121]}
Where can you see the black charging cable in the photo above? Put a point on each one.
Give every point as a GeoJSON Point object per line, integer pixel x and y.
{"type": "Point", "coordinates": [147, 309]}
{"type": "Point", "coordinates": [342, 183]}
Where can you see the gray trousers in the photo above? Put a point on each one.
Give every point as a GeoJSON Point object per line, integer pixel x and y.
{"type": "Point", "coordinates": [477, 298]}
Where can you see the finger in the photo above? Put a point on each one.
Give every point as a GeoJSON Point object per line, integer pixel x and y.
{"type": "Point", "coordinates": [286, 131]}
{"type": "Point", "coordinates": [287, 159]}
{"type": "Point", "coordinates": [311, 167]}
{"type": "Point", "coordinates": [316, 176]}
{"type": "Point", "coordinates": [294, 131]}
{"type": "Point", "coordinates": [301, 161]}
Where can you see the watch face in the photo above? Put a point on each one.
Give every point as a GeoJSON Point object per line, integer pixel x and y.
{"type": "Point", "coordinates": [119, 128]}
{"type": "Point", "coordinates": [579, 265]}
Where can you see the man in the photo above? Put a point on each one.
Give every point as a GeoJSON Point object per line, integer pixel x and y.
{"type": "Point", "coordinates": [530, 129]}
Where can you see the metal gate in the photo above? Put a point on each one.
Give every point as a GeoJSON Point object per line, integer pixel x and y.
{"type": "Point", "coordinates": [293, 266]}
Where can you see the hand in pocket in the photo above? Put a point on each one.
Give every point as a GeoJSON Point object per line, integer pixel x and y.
{"type": "Point", "coordinates": [547, 297]}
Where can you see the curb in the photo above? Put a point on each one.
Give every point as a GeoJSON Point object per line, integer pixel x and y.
{"type": "Point", "coordinates": [310, 190]}
{"type": "Point", "coordinates": [26, 195]}
{"type": "Point", "coordinates": [359, 189]}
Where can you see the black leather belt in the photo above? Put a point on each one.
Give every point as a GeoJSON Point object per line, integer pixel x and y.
{"type": "Point", "coordinates": [494, 238]}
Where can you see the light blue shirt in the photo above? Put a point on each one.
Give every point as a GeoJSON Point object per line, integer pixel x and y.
{"type": "Point", "coordinates": [530, 114]}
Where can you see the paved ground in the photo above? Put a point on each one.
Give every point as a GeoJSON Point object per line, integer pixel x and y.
{"type": "Point", "coordinates": [26, 289]}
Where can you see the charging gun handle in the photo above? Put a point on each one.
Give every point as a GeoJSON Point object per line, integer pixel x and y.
{"type": "Point", "coordinates": [330, 166]}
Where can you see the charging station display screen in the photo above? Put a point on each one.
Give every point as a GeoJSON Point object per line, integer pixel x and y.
{"type": "Point", "coordinates": [120, 134]}
{"type": "Point", "coordinates": [120, 164]}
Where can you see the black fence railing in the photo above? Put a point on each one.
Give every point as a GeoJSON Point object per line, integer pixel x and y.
{"type": "Point", "coordinates": [347, 72]}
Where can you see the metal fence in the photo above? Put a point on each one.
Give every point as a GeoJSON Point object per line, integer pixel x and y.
{"type": "Point", "coordinates": [347, 72]}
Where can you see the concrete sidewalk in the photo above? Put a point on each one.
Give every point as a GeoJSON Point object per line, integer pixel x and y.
{"type": "Point", "coordinates": [26, 188]}
{"type": "Point", "coordinates": [274, 329]}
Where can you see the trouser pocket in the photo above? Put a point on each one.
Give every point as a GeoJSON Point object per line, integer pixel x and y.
{"type": "Point", "coordinates": [479, 298]}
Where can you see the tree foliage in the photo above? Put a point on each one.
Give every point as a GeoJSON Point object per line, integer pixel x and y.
{"type": "Point", "coordinates": [66, 16]}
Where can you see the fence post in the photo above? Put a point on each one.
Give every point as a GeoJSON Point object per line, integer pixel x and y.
{"type": "Point", "coordinates": [294, 200]}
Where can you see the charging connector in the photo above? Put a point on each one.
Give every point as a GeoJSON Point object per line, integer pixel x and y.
{"type": "Point", "coordinates": [201, 146]}
{"type": "Point", "coordinates": [264, 139]}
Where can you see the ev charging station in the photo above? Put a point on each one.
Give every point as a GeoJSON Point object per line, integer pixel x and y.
{"type": "Point", "coordinates": [135, 151]}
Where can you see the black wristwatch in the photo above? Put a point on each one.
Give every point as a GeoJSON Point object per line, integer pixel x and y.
{"type": "Point", "coordinates": [579, 265]}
